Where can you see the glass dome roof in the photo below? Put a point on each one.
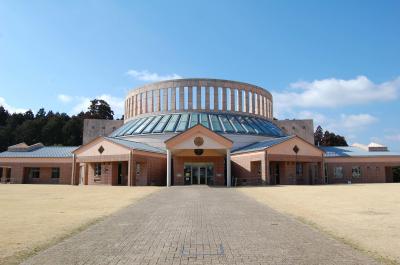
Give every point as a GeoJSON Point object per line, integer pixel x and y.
{"type": "Point", "coordinates": [179, 122]}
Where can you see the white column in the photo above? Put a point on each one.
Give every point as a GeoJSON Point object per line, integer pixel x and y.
{"type": "Point", "coordinates": [73, 175]}
{"type": "Point", "coordinates": [130, 169]}
{"type": "Point", "coordinates": [168, 168]}
{"type": "Point", "coordinates": [228, 168]}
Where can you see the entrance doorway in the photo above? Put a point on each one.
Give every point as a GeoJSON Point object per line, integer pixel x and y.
{"type": "Point", "coordinates": [120, 177]}
{"type": "Point", "coordinates": [274, 173]}
{"type": "Point", "coordinates": [396, 174]}
{"type": "Point", "coordinates": [198, 173]}
{"type": "Point", "coordinates": [8, 175]}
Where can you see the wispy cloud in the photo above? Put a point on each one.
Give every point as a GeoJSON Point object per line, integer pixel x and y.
{"type": "Point", "coordinates": [9, 108]}
{"type": "Point", "coordinates": [334, 92]}
{"type": "Point", "coordinates": [145, 75]}
{"type": "Point", "coordinates": [347, 123]}
{"type": "Point", "coordinates": [393, 137]}
{"type": "Point", "coordinates": [64, 98]}
{"type": "Point", "coordinates": [356, 122]}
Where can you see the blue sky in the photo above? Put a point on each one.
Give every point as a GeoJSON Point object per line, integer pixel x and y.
{"type": "Point", "coordinates": [337, 62]}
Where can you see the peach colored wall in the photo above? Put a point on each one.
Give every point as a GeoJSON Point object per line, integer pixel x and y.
{"type": "Point", "coordinates": [185, 140]}
{"type": "Point", "coordinates": [209, 143]}
{"type": "Point", "coordinates": [394, 160]}
{"type": "Point", "coordinates": [19, 172]}
{"type": "Point", "coordinates": [110, 148]}
{"type": "Point", "coordinates": [371, 172]}
{"type": "Point", "coordinates": [286, 148]}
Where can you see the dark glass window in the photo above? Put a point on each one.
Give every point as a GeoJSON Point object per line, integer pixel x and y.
{"type": "Point", "coordinates": [194, 120]}
{"type": "Point", "coordinates": [216, 125]}
{"type": "Point", "coordinates": [152, 124]}
{"type": "Point", "coordinates": [226, 123]}
{"type": "Point", "coordinates": [265, 127]}
{"type": "Point", "coordinates": [125, 128]}
{"type": "Point", "coordinates": [204, 120]}
{"type": "Point", "coordinates": [135, 126]}
{"type": "Point", "coordinates": [183, 122]}
{"type": "Point", "coordinates": [97, 169]}
{"type": "Point", "coordinates": [254, 125]}
{"type": "Point", "coordinates": [143, 125]}
{"type": "Point", "coordinates": [163, 122]}
{"type": "Point", "coordinates": [34, 172]}
{"type": "Point", "coordinates": [245, 125]}
{"type": "Point", "coordinates": [237, 125]}
{"type": "Point", "coordinates": [172, 123]}
{"type": "Point", "coordinates": [55, 173]}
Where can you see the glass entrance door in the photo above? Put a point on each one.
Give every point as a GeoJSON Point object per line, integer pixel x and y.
{"type": "Point", "coordinates": [202, 175]}
{"type": "Point", "coordinates": [195, 175]}
{"type": "Point", "coordinates": [198, 173]}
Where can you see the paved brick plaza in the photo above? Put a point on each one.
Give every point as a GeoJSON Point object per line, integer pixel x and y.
{"type": "Point", "coordinates": [199, 225]}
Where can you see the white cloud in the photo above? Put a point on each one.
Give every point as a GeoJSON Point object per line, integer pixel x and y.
{"type": "Point", "coordinates": [151, 77]}
{"type": "Point", "coordinates": [64, 98]}
{"type": "Point", "coordinates": [10, 108]}
{"type": "Point", "coordinates": [319, 119]}
{"type": "Point", "coordinates": [116, 104]}
{"type": "Point", "coordinates": [336, 92]}
{"type": "Point", "coordinates": [393, 137]}
{"type": "Point", "coordinates": [356, 122]}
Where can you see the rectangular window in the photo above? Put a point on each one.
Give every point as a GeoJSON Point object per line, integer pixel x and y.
{"type": "Point", "coordinates": [177, 99]}
{"type": "Point", "coordinates": [220, 98]}
{"type": "Point", "coordinates": [338, 172]}
{"type": "Point", "coordinates": [149, 97]}
{"type": "Point", "coordinates": [203, 97]}
{"type": "Point", "coordinates": [236, 100]}
{"type": "Point", "coordinates": [211, 99]}
{"type": "Point", "coordinates": [250, 98]}
{"type": "Point", "coordinates": [228, 98]}
{"type": "Point", "coordinates": [299, 169]}
{"type": "Point", "coordinates": [34, 172]}
{"type": "Point", "coordinates": [97, 169]}
{"type": "Point", "coordinates": [161, 99]}
{"type": "Point", "coordinates": [55, 173]}
{"type": "Point", "coordinates": [138, 169]}
{"type": "Point", "coordinates": [169, 98]}
{"type": "Point", "coordinates": [185, 97]}
{"type": "Point", "coordinates": [194, 97]}
{"type": "Point", "coordinates": [356, 172]}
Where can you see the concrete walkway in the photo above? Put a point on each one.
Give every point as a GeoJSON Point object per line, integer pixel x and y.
{"type": "Point", "coordinates": [199, 225]}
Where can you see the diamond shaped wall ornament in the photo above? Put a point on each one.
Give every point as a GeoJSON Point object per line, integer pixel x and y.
{"type": "Point", "coordinates": [296, 149]}
{"type": "Point", "coordinates": [101, 149]}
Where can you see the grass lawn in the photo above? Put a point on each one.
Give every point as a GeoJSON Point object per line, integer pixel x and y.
{"type": "Point", "coordinates": [367, 216]}
{"type": "Point", "coordinates": [33, 217]}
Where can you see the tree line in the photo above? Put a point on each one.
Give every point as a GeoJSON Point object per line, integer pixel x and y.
{"type": "Point", "coordinates": [49, 128]}
{"type": "Point", "coordinates": [327, 138]}
{"type": "Point", "coordinates": [54, 128]}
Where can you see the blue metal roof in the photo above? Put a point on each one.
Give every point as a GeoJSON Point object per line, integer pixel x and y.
{"type": "Point", "coordinates": [258, 146]}
{"type": "Point", "coordinates": [137, 145]}
{"type": "Point", "coordinates": [42, 152]}
{"type": "Point", "coordinates": [349, 151]}
{"type": "Point", "coordinates": [217, 122]}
